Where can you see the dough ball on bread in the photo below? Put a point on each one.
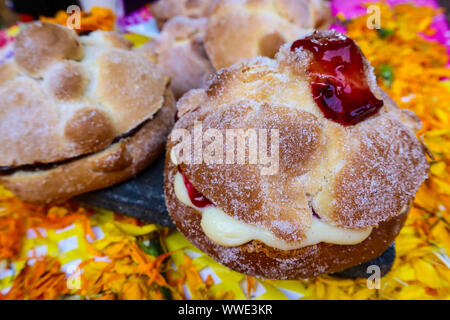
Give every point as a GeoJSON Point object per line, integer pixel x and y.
{"type": "Point", "coordinates": [38, 46]}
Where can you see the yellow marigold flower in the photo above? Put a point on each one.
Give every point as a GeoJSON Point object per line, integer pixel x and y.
{"type": "Point", "coordinates": [133, 289]}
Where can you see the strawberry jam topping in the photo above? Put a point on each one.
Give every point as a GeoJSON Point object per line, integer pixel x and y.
{"type": "Point", "coordinates": [338, 82]}
{"type": "Point", "coordinates": [196, 197]}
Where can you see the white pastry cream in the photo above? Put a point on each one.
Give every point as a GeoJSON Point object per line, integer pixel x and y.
{"type": "Point", "coordinates": [230, 232]}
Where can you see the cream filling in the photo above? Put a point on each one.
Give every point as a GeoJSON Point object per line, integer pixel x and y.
{"type": "Point", "coordinates": [228, 231]}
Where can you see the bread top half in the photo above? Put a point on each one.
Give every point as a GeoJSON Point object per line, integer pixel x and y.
{"type": "Point", "coordinates": [64, 95]}
{"type": "Point", "coordinates": [353, 176]}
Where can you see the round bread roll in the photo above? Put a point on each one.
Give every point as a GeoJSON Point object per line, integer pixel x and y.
{"type": "Point", "coordinates": [179, 51]}
{"type": "Point", "coordinates": [78, 113]}
{"type": "Point", "coordinates": [237, 29]}
{"type": "Point", "coordinates": [328, 190]}
{"type": "Point", "coordinates": [164, 10]}
{"type": "Point", "coordinates": [243, 29]}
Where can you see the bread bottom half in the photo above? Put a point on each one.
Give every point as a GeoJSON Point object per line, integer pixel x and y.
{"type": "Point", "coordinates": [257, 259]}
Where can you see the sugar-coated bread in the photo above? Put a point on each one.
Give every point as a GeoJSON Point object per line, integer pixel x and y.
{"type": "Point", "coordinates": [64, 97]}
{"type": "Point", "coordinates": [353, 177]}
{"type": "Point", "coordinates": [118, 162]}
{"type": "Point", "coordinates": [242, 29]}
{"type": "Point", "coordinates": [180, 53]}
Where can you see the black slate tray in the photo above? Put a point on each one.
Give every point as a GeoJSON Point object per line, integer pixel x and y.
{"type": "Point", "coordinates": [141, 197]}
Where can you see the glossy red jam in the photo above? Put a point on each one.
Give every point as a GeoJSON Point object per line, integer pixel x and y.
{"type": "Point", "coordinates": [338, 82]}
{"type": "Point", "coordinates": [196, 197]}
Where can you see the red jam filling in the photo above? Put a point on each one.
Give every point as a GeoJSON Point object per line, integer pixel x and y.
{"type": "Point", "coordinates": [315, 214]}
{"type": "Point", "coordinates": [338, 82]}
{"type": "Point", "coordinates": [196, 197]}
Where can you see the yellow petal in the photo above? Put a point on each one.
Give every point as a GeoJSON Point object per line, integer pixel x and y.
{"type": "Point", "coordinates": [444, 187]}
{"type": "Point", "coordinates": [333, 292]}
{"type": "Point", "coordinates": [136, 230]}
{"type": "Point", "coordinates": [412, 292]}
{"type": "Point", "coordinates": [406, 244]}
{"type": "Point", "coordinates": [426, 274]}
{"type": "Point", "coordinates": [133, 291]}
{"type": "Point", "coordinates": [438, 132]}
{"type": "Point", "coordinates": [320, 290]}
{"type": "Point", "coordinates": [364, 294]}
{"type": "Point", "coordinates": [405, 273]}
{"type": "Point", "coordinates": [438, 168]}
{"type": "Point", "coordinates": [442, 234]}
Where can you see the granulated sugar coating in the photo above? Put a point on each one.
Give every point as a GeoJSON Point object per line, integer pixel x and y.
{"type": "Point", "coordinates": [243, 188]}
{"type": "Point", "coordinates": [382, 178]}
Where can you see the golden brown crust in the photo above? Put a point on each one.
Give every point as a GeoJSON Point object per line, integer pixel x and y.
{"type": "Point", "coordinates": [89, 128]}
{"type": "Point", "coordinates": [257, 259]}
{"type": "Point", "coordinates": [242, 29]}
{"type": "Point", "coordinates": [118, 162]}
{"type": "Point", "coordinates": [54, 76]}
{"type": "Point", "coordinates": [179, 51]}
